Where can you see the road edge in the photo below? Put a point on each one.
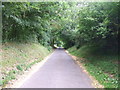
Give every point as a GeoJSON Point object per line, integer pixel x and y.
{"type": "Point", "coordinates": [95, 83]}
{"type": "Point", "coordinates": [27, 74]}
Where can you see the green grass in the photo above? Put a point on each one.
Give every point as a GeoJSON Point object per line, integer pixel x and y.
{"type": "Point", "coordinates": [19, 67]}
{"type": "Point", "coordinates": [99, 63]}
{"type": "Point", "coordinates": [18, 57]}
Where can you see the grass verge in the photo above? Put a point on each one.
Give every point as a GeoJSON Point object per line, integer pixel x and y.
{"type": "Point", "coordinates": [18, 57]}
{"type": "Point", "coordinates": [101, 65]}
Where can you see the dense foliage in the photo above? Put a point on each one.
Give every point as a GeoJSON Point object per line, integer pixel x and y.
{"type": "Point", "coordinates": [29, 22]}
{"type": "Point", "coordinates": [65, 23]}
{"type": "Point", "coordinates": [98, 23]}
{"type": "Point", "coordinates": [68, 24]}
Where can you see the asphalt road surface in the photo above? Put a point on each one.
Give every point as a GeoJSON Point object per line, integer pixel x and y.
{"type": "Point", "coordinates": [60, 71]}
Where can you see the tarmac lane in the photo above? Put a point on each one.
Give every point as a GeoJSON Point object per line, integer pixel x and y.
{"type": "Point", "coordinates": [60, 71]}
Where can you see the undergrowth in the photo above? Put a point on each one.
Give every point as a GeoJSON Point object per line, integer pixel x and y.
{"type": "Point", "coordinates": [101, 64]}
{"type": "Point", "coordinates": [18, 57]}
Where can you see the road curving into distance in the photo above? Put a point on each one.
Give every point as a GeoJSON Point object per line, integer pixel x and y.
{"type": "Point", "coordinates": [59, 71]}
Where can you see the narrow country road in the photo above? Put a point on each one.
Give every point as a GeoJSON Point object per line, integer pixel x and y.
{"type": "Point", "coordinates": [60, 71]}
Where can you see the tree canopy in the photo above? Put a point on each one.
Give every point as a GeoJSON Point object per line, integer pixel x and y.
{"type": "Point", "coordinates": [61, 23]}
